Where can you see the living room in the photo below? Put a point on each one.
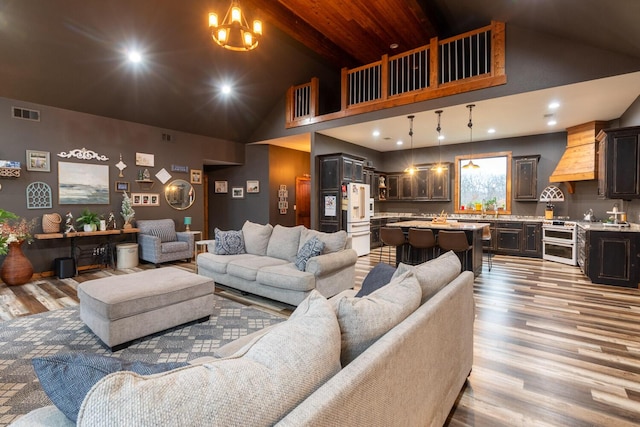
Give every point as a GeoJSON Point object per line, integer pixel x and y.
{"type": "Point", "coordinates": [226, 143]}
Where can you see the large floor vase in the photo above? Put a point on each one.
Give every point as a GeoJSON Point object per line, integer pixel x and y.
{"type": "Point", "coordinates": [16, 268]}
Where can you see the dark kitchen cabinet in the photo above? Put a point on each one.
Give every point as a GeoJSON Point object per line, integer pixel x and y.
{"type": "Point", "coordinates": [375, 233]}
{"type": "Point", "coordinates": [406, 187]}
{"type": "Point", "coordinates": [352, 169]}
{"type": "Point", "coordinates": [532, 243]}
{"type": "Point", "coordinates": [619, 163]}
{"type": "Point", "coordinates": [393, 182]}
{"type": "Point", "coordinates": [525, 178]}
{"type": "Point", "coordinates": [426, 184]}
{"type": "Point", "coordinates": [439, 181]}
{"type": "Point", "coordinates": [611, 257]}
{"type": "Point", "coordinates": [509, 238]}
{"type": "Point", "coordinates": [336, 170]}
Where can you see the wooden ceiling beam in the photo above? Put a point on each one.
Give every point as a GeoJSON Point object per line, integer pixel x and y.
{"type": "Point", "coordinates": [274, 13]}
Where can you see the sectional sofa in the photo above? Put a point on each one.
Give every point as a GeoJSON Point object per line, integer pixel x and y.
{"type": "Point", "coordinates": [269, 261]}
{"type": "Point", "coordinates": [399, 356]}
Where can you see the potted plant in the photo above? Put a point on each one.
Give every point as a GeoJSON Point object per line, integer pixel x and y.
{"type": "Point", "coordinates": [89, 220]}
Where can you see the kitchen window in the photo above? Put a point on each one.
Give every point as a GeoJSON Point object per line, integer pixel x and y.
{"type": "Point", "coordinates": [486, 187]}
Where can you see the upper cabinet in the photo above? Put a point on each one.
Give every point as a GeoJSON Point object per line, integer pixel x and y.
{"type": "Point", "coordinates": [619, 163]}
{"type": "Point", "coordinates": [525, 178]}
{"type": "Point", "coordinates": [428, 183]}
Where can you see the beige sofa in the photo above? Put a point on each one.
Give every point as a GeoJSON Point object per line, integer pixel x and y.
{"type": "Point", "coordinates": [291, 374]}
{"type": "Point", "coordinates": [268, 267]}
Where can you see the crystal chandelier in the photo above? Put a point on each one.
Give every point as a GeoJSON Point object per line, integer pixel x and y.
{"type": "Point", "coordinates": [234, 33]}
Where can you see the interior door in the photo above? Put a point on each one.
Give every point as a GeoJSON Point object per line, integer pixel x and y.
{"type": "Point", "coordinates": [303, 201]}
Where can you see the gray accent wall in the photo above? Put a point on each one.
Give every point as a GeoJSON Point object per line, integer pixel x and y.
{"type": "Point", "coordinates": [62, 130]}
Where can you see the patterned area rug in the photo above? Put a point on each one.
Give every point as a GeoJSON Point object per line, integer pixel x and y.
{"type": "Point", "coordinates": [62, 331]}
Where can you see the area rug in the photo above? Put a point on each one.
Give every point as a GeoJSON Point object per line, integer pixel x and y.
{"type": "Point", "coordinates": [62, 331]}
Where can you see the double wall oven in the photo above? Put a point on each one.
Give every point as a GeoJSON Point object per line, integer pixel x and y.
{"type": "Point", "coordinates": [559, 240]}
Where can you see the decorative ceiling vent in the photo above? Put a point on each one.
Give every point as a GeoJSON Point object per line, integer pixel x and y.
{"type": "Point", "coordinates": [25, 114]}
{"type": "Point", "coordinates": [552, 194]}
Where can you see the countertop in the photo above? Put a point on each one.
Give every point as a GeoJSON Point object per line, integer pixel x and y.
{"type": "Point", "coordinates": [465, 217]}
{"type": "Point", "coordinates": [598, 226]}
{"type": "Point", "coordinates": [440, 225]}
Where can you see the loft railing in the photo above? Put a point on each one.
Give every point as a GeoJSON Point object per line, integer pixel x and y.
{"type": "Point", "coordinates": [469, 61]}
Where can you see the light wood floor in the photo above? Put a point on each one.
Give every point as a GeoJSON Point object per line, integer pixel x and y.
{"type": "Point", "coordinates": [551, 349]}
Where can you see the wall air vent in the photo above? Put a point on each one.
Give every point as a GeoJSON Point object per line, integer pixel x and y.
{"type": "Point", "coordinates": [167, 137]}
{"type": "Point", "coordinates": [25, 114]}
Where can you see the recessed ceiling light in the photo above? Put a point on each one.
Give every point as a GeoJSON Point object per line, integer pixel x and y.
{"type": "Point", "coordinates": [393, 45]}
{"type": "Point", "coordinates": [553, 105]}
{"type": "Point", "coordinates": [441, 137]}
{"type": "Point", "coordinates": [552, 122]}
{"type": "Point", "coordinates": [226, 89]}
{"type": "Point", "coordinates": [491, 130]}
{"type": "Point", "coordinates": [399, 142]}
{"type": "Point", "coordinates": [376, 133]}
{"type": "Point", "coordinates": [134, 56]}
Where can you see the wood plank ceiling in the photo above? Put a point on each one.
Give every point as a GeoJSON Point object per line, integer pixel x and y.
{"type": "Point", "coordinates": [355, 32]}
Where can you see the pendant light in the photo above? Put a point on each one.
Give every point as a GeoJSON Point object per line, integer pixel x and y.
{"type": "Point", "coordinates": [440, 167]}
{"type": "Point", "coordinates": [411, 169]}
{"type": "Point", "coordinates": [470, 165]}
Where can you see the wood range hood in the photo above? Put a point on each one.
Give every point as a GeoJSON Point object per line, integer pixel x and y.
{"type": "Point", "coordinates": [580, 159]}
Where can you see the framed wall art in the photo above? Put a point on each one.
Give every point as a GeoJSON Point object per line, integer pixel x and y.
{"type": "Point", "coordinates": [196, 176]}
{"type": "Point", "coordinates": [221, 186]}
{"type": "Point", "coordinates": [122, 186]}
{"type": "Point", "coordinates": [237, 193]}
{"type": "Point", "coordinates": [253, 186]}
{"type": "Point", "coordinates": [144, 159]}
{"type": "Point", "coordinates": [145, 199]}
{"type": "Point", "coordinates": [38, 161]}
{"type": "Point", "coordinates": [83, 184]}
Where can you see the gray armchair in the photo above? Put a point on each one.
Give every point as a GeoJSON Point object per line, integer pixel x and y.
{"type": "Point", "coordinates": [159, 241]}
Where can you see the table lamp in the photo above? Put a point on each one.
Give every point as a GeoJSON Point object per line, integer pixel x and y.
{"type": "Point", "coordinates": [187, 223]}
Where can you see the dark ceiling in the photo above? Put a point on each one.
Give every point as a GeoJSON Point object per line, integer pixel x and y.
{"type": "Point", "coordinates": [70, 53]}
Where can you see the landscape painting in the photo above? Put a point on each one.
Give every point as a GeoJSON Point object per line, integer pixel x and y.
{"type": "Point", "coordinates": [83, 184]}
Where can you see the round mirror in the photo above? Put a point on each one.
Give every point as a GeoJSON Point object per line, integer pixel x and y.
{"type": "Point", "coordinates": [179, 194]}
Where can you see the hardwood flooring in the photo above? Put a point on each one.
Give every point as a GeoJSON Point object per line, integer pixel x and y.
{"type": "Point", "coordinates": [550, 348]}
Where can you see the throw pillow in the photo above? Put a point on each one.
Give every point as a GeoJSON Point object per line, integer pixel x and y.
{"type": "Point", "coordinates": [433, 275]}
{"type": "Point", "coordinates": [284, 242]}
{"type": "Point", "coordinates": [379, 276]}
{"type": "Point", "coordinates": [67, 378]}
{"type": "Point", "coordinates": [256, 237]}
{"type": "Point", "coordinates": [257, 386]}
{"type": "Point", "coordinates": [333, 242]}
{"type": "Point", "coordinates": [313, 247]}
{"type": "Point", "coordinates": [364, 320]}
{"type": "Point", "coordinates": [229, 242]}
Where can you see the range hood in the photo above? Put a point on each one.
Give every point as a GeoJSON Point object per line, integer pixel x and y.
{"type": "Point", "coordinates": [580, 159]}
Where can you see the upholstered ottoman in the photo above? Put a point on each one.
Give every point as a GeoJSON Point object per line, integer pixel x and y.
{"type": "Point", "coordinates": [120, 309]}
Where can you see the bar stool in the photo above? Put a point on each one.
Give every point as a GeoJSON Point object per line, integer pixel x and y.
{"type": "Point", "coordinates": [420, 238]}
{"type": "Point", "coordinates": [457, 242]}
{"type": "Point", "coordinates": [392, 236]}
{"type": "Point", "coordinates": [486, 243]}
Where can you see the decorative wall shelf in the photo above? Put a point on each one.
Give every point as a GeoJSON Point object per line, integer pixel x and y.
{"type": "Point", "coordinates": [145, 184]}
{"type": "Point", "coordinates": [10, 172]}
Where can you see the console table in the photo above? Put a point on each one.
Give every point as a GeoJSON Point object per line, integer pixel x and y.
{"type": "Point", "coordinates": [73, 236]}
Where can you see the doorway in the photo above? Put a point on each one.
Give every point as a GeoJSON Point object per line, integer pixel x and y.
{"type": "Point", "coordinates": [303, 201]}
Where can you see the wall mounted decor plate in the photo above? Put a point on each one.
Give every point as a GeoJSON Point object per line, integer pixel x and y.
{"type": "Point", "coordinates": [38, 195]}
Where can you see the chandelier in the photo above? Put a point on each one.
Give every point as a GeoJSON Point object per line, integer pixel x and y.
{"type": "Point", "coordinates": [234, 33]}
{"type": "Point", "coordinates": [470, 165]}
{"type": "Point", "coordinates": [411, 169]}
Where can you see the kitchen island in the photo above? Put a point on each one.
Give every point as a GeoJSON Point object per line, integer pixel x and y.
{"type": "Point", "coordinates": [473, 230]}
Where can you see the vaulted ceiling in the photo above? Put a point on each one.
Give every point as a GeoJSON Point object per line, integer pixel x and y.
{"type": "Point", "coordinates": [71, 53]}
